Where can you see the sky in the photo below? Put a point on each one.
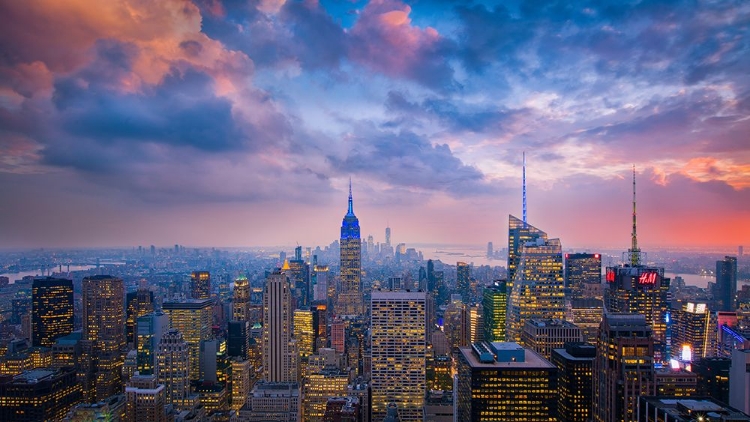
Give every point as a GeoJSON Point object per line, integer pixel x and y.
{"type": "Point", "coordinates": [241, 122]}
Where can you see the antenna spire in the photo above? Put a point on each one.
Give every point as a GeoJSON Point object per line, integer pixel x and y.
{"type": "Point", "coordinates": [635, 253]}
{"type": "Point", "coordinates": [524, 188]}
{"type": "Point", "coordinates": [351, 202]}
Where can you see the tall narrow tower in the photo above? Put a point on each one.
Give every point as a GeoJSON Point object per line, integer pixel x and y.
{"type": "Point", "coordinates": [634, 252]}
{"type": "Point", "coordinates": [350, 298]}
{"type": "Point", "coordinates": [524, 188]}
{"type": "Point", "coordinates": [279, 354]}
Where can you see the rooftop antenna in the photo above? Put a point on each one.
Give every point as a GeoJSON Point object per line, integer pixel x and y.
{"type": "Point", "coordinates": [635, 253]}
{"type": "Point", "coordinates": [524, 188]}
{"type": "Point", "coordinates": [351, 204]}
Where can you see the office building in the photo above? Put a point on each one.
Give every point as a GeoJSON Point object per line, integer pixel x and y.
{"type": "Point", "coordinates": [43, 394]}
{"type": "Point", "coordinates": [538, 290]}
{"type": "Point", "coordinates": [200, 285]}
{"type": "Point", "coordinates": [318, 387]}
{"type": "Point", "coordinates": [173, 367]}
{"type": "Point", "coordinates": [241, 377]}
{"type": "Point", "coordinates": [279, 351]}
{"type": "Point", "coordinates": [739, 380]}
{"type": "Point", "coordinates": [476, 324]}
{"type": "Point", "coordinates": [351, 294]}
{"type": "Point", "coordinates": [502, 382]}
{"type": "Point", "coordinates": [299, 277]}
{"type": "Point", "coordinates": [338, 336]}
{"type": "Point", "coordinates": [456, 323]}
{"type": "Point", "coordinates": [149, 329]}
{"type": "Point", "coordinates": [713, 377]}
{"type": "Point", "coordinates": [51, 310]}
{"type": "Point", "coordinates": [241, 300]}
{"type": "Point", "coordinates": [623, 368]}
{"type": "Point", "coordinates": [137, 304]}
{"type": "Point", "coordinates": [725, 289]}
{"type": "Point", "coordinates": [686, 409]}
{"type": "Point", "coordinates": [213, 396]}
{"type": "Point", "coordinates": [494, 302]}
{"type": "Point", "coordinates": [270, 401]}
{"type": "Point", "coordinates": [305, 331]}
{"type": "Point", "coordinates": [343, 409]}
{"type": "Point", "coordinates": [519, 233]}
{"type": "Point", "coordinates": [575, 363]}
{"type": "Point", "coordinates": [586, 314]}
{"type": "Point", "coordinates": [146, 400]}
{"type": "Point", "coordinates": [463, 281]}
{"type": "Point", "coordinates": [693, 332]}
{"type": "Point", "coordinates": [103, 327]}
{"type": "Point", "coordinates": [640, 289]}
{"type": "Point", "coordinates": [544, 335]}
{"type": "Point", "coordinates": [582, 269]}
{"type": "Point", "coordinates": [399, 349]}
{"type": "Point", "coordinates": [112, 409]}
{"type": "Point", "coordinates": [238, 339]}
{"type": "Point", "coordinates": [193, 319]}
{"type": "Point", "coordinates": [675, 381]}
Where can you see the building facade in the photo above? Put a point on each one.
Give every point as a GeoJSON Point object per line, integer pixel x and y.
{"type": "Point", "coordinates": [279, 351]}
{"type": "Point", "coordinates": [51, 310]}
{"type": "Point", "coordinates": [350, 298]}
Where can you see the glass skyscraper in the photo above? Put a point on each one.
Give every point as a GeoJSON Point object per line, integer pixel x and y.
{"type": "Point", "coordinates": [51, 310]}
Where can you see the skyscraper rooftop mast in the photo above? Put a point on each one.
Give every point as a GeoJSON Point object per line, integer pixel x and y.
{"type": "Point", "coordinates": [634, 252]}
{"type": "Point", "coordinates": [524, 188]}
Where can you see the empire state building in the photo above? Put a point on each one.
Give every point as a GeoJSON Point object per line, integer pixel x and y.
{"type": "Point", "coordinates": [350, 297]}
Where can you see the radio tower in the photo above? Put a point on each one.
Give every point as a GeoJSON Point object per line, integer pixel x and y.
{"type": "Point", "coordinates": [524, 188]}
{"type": "Point", "coordinates": [635, 253]}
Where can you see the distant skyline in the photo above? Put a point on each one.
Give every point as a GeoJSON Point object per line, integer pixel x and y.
{"type": "Point", "coordinates": [239, 123]}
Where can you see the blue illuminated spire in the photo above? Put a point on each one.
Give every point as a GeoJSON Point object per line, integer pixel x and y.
{"type": "Point", "coordinates": [351, 203]}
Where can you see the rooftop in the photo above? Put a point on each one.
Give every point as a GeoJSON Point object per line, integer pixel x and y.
{"type": "Point", "coordinates": [531, 358]}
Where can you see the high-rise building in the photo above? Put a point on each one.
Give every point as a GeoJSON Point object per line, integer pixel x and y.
{"type": "Point", "coordinates": [725, 289]}
{"type": "Point", "coordinates": [494, 301]}
{"type": "Point", "coordinates": [200, 285]}
{"type": "Point", "coordinates": [173, 367]}
{"type": "Point", "coordinates": [623, 368]}
{"type": "Point", "coordinates": [51, 310]}
{"type": "Point", "coordinates": [319, 386]}
{"type": "Point", "coordinates": [43, 394]}
{"type": "Point", "coordinates": [238, 339]}
{"type": "Point", "coordinates": [149, 330]}
{"type": "Point", "coordinates": [586, 314]}
{"type": "Point", "coordinates": [502, 382]}
{"type": "Point", "coordinates": [582, 269]}
{"type": "Point", "coordinates": [304, 332]}
{"type": "Point", "coordinates": [192, 317]}
{"type": "Point", "coordinates": [240, 382]}
{"type": "Point", "coordinates": [399, 349]}
{"type": "Point", "coordinates": [279, 351]}
{"type": "Point", "coordinates": [574, 363]}
{"type": "Point", "coordinates": [388, 236]}
{"type": "Point", "coordinates": [713, 377]}
{"type": "Point", "coordinates": [463, 281]}
{"type": "Point", "coordinates": [640, 289]}
{"type": "Point", "coordinates": [694, 327]}
{"type": "Point", "coordinates": [274, 401]}
{"type": "Point", "coordinates": [537, 290]}
{"type": "Point", "coordinates": [350, 297]}
{"type": "Point", "coordinates": [739, 380]}
{"type": "Point", "coordinates": [490, 251]}
{"type": "Point", "coordinates": [103, 326]}
{"type": "Point", "coordinates": [519, 233]}
{"type": "Point", "coordinates": [476, 324]}
{"type": "Point", "coordinates": [686, 409]}
{"type": "Point", "coordinates": [299, 277]}
{"type": "Point", "coordinates": [456, 323]}
{"type": "Point", "coordinates": [146, 400]}
{"type": "Point", "coordinates": [544, 335]}
{"type": "Point", "coordinates": [342, 409]}
{"type": "Point", "coordinates": [677, 382]}
{"type": "Point", "coordinates": [241, 300]}
{"type": "Point", "coordinates": [137, 304]}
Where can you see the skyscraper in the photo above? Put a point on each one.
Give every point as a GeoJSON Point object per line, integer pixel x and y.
{"type": "Point", "coordinates": [641, 289]}
{"type": "Point", "coordinates": [51, 310]}
{"type": "Point", "coordinates": [193, 318]}
{"type": "Point", "coordinates": [623, 368]}
{"type": "Point", "coordinates": [504, 382]}
{"type": "Point", "coordinates": [694, 327]}
{"type": "Point", "coordinates": [574, 364]}
{"type": "Point", "coordinates": [537, 290]}
{"type": "Point", "coordinates": [399, 349]}
{"type": "Point", "coordinates": [545, 335]}
{"type": "Point", "coordinates": [200, 285]}
{"type": "Point", "coordinates": [149, 330]}
{"type": "Point", "coordinates": [725, 289]}
{"type": "Point", "coordinates": [299, 277]}
{"type": "Point", "coordinates": [137, 304]}
{"type": "Point", "coordinates": [103, 326]}
{"type": "Point", "coordinates": [494, 301]}
{"type": "Point", "coordinates": [173, 367]}
{"type": "Point", "coordinates": [241, 300]}
{"type": "Point", "coordinates": [463, 281]}
{"type": "Point", "coordinates": [582, 269]}
{"type": "Point", "coordinates": [240, 382]}
{"type": "Point", "coordinates": [279, 351]}
{"type": "Point", "coordinates": [519, 233]}
{"type": "Point", "coordinates": [146, 400]}
{"type": "Point", "coordinates": [350, 300]}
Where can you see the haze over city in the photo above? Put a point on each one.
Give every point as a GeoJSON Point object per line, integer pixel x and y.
{"type": "Point", "coordinates": [212, 123]}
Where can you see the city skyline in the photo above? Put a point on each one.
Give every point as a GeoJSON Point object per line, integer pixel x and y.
{"type": "Point", "coordinates": [212, 123]}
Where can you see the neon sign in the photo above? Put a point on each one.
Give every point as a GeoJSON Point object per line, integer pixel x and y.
{"type": "Point", "coordinates": [610, 275]}
{"type": "Point", "coordinates": [647, 278]}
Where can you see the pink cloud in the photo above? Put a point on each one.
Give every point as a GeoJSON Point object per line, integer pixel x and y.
{"type": "Point", "coordinates": [385, 40]}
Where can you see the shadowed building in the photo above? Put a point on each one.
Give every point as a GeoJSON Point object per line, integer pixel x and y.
{"type": "Point", "coordinates": [51, 310]}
